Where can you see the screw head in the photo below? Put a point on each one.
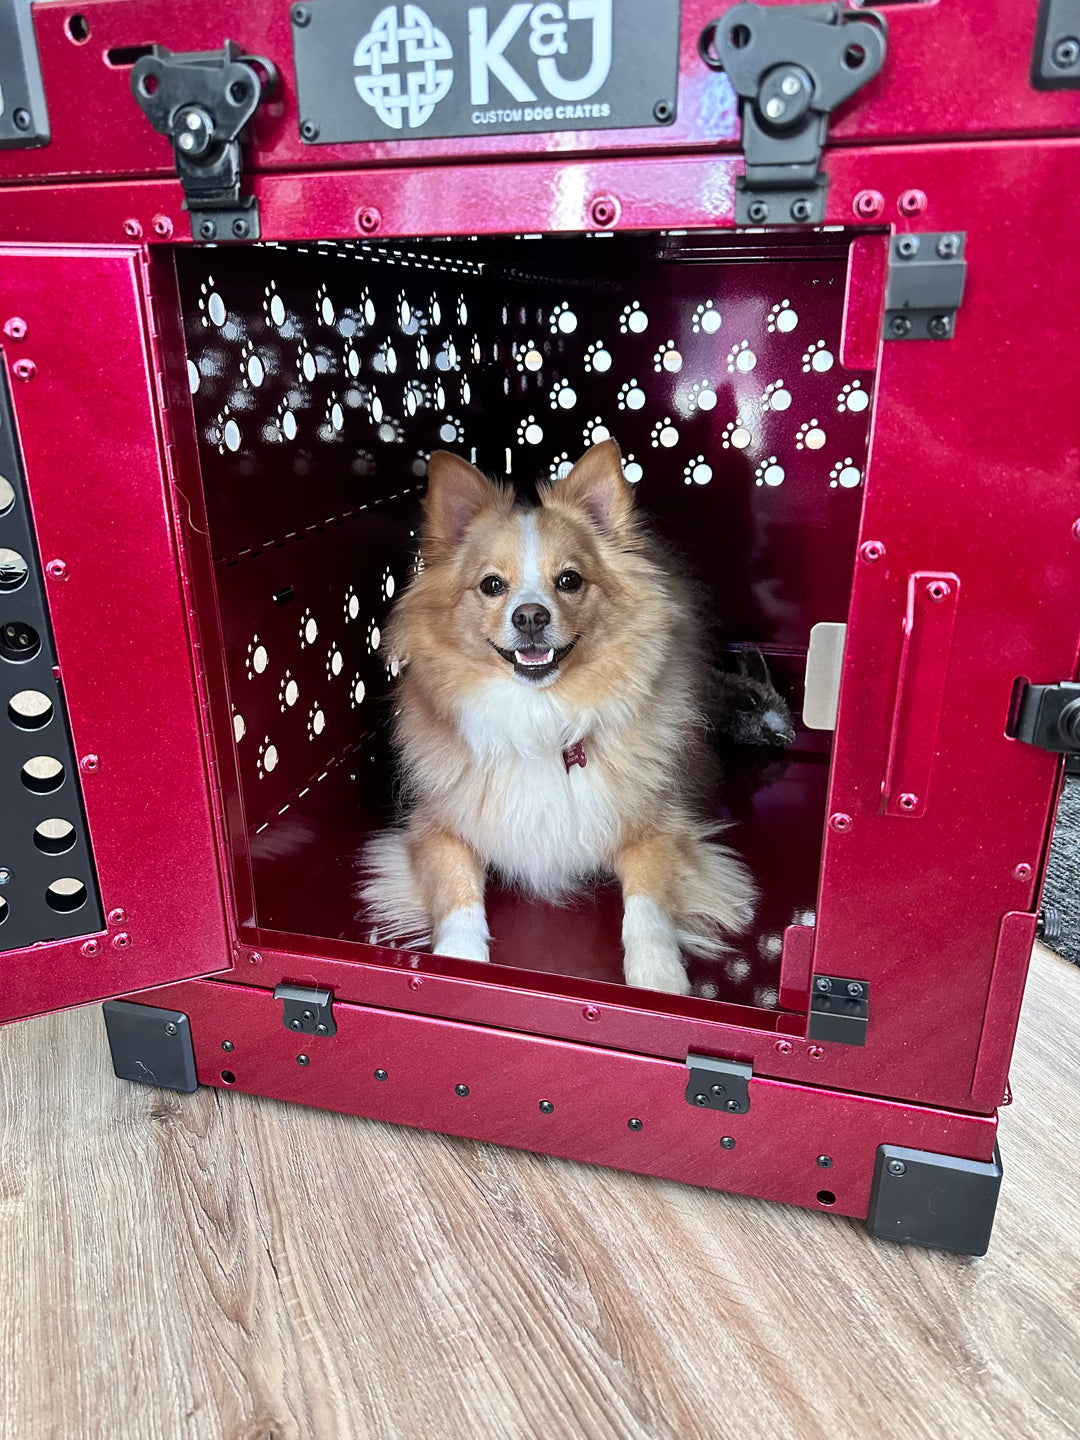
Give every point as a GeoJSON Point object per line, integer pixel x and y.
{"type": "Point", "coordinates": [823, 984]}
{"type": "Point", "coordinates": [1022, 872]}
{"type": "Point", "coordinates": [309, 130]}
{"type": "Point", "coordinates": [228, 1046]}
{"type": "Point", "coordinates": [868, 204]}
{"type": "Point", "coordinates": [734, 1106]}
{"type": "Point", "coordinates": [207, 229]}
{"type": "Point", "coordinates": [461, 1090]}
{"type": "Point", "coordinates": [907, 246]}
{"type": "Point", "coordinates": [939, 327]}
{"type": "Point", "coordinates": [855, 990]}
{"type": "Point", "coordinates": [816, 1052]}
{"type": "Point", "coordinates": [603, 210]}
{"type": "Point", "coordinates": [634, 1124]}
{"type": "Point", "coordinates": [170, 1027]}
{"type": "Point", "coordinates": [307, 1014]}
{"type": "Point", "coordinates": [546, 1107]}
{"type": "Point", "coordinates": [727, 1142]}
{"type": "Point", "coordinates": [938, 590]}
{"type": "Point", "coordinates": [591, 1013]}
{"type": "Point", "coordinates": [303, 1060]}
{"type": "Point", "coordinates": [912, 202]}
{"type": "Point", "coordinates": [24, 369]}
{"type": "Point", "coordinates": [15, 328]}
{"type": "Point", "coordinates": [871, 551]}
{"type": "Point", "coordinates": [21, 119]}
{"type": "Point", "coordinates": [824, 1161]}
{"type": "Point", "coordinates": [368, 219]}
{"type": "Point", "coordinates": [1066, 52]}
{"type": "Point", "coordinates": [948, 246]}
{"type": "Point", "coordinates": [381, 1075]}
{"type": "Point", "coordinates": [321, 1029]}
{"type": "Point", "coordinates": [801, 210]}
{"type": "Point", "coordinates": [701, 1099]}
{"type": "Point", "coordinates": [663, 111]}
{"type": "Point", "coordinates": [121, 941]}
{"type": "Point", "coordinates": [896, 1167]}
{"type": "Point", "coordinates": [718, 1090]}
{"type": "Point", "coordinates": [301, 15]}
{"type": "Point", "coordinates": [91, 948]}
{"type": "Point", "coordinates": [775, 107]}
{"type": "Point", "coordinates": [840, 822]}
{"type": "Point", "coordinates": [296, 1024]}
{"type": "Point", "coordinates": [57, 569]}
{"type": "Point", "coordinates": [899, 326]}
{"type": "Point", "coordinates": [783, 1047]}
{"type": "Point", "coordinates": [240, 227]}
{"type": "Point", "coordinates": [758, 211]}
{"type": "Point", "coordinates": [163, 226]}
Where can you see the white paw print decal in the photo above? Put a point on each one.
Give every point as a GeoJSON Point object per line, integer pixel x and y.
{"type": "Point", "coordinates": [597, 358]}
{"type": "Point", "coordinates": [306, 364]}
{"type": "Point", "coordinates": [333, 421]}
{"type": "Point", "coordinates": [357, 691]}
{"type": "Point", "coordinates": [633, 319]}
{"type": "Point", "coordinates": [809, 434]}
{"type": "Point", "coordinates": [529, 432]}
{"type": "Point", "coordinates": [631, 396]}
{"type": "Point", "coordinates": [417, 396]}
{"type": "Point", "coordinates": [563, 320]}
{"type": "Point", "coordinates": [389, 584]}
{"type": "Point", "coordinates": [667, 358]}
{"type": "Point", "coordinates": [527, 357]}
{"type": "Point", "coordinates": [309, 629]}
{"type": "Point", "coordinates": [462, 311]}
{"type": "Point", "coordinates": [273, 305]}
{"type": "Point", "coordinates": [631, 469]}
{"type": "Point", "coordinates": [777, 396]}
{"type": "Point", "coordinates": [335, 662]}
{"type": "Point", "coordinates": [741, 357]}
{"type": "Point", "coordinates": [448, 358]}
{"type": "Point", "coordinates": [410, 321]}
{"type": "Point", "coordinates": [251, 367]}
{"type": "Point", "coordinates": [697, 472]}
{"type": "Point", "coordinates": [316, 722]}
{"type": "Point", "coordinates": [703, 395]}
{"type": "Point", "coordinates": [769, 472]}
{"type": "Point", "coordinates": [782, 318]}
{"type": "Point", "coordinates": [324, 306]}
{"type": "Point", "coordinates": [440, 396]}
{"type": "Point", "coordinates": [352, 605]}
{"type": "Point", "coordinates": [595, 431]}
{"type": "Point", "coordinates": [351, 359]}
{"type": "Point", "coordinates": [257, 658]}
{"type": "Point", "coordinates": [225, 432]}
{"type": "Point", "coordinates": [288, 692]}
{"type": "Point", "coordinates": [450, 430]}
{"type": "Point", "coordinates": [563, 395]}
{"type": "Point", "coordinates": [466, 391]}
{"type": "Point", "coordinates": [374, 638]}
{"type": "Point", "coordinates": [734, 436]}
{"type": "Point", "coordinates": [385, 359]}
{"type": "Point", "coordinates": [817, 358]}
{"type": "Point", "coordinates": [268, 757]}
{"type": "Point", "coordinates": [365, 307]}
{"type": "Point", "coordinates": [560, 466]}
{"type": "Point", "coordinates": [664, 433]}
{"type": "Point", "coordinates": [853, 398]}
{"type": "Point", "coordinates": [845, 473]}
{"type": "Point", "coordinates": [706, 319]}
{"type": "Point", "coordinates": [286, 419]}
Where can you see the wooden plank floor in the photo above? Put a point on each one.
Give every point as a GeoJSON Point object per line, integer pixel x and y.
{"type": "Point", "coordinates": [220, 1266]}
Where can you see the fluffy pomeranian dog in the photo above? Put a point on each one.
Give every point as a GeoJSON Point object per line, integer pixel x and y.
{"type": "Point", "coordinates": [548, 725]}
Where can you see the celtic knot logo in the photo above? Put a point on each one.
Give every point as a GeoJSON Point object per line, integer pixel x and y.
{"type": "Point", "coordinates": [424, 84]}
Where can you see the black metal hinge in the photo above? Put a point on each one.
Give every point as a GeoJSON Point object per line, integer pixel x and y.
{"type": "Point", "coordinates": [1049, 717]}
{"type": "Point", "coordinates": [202, 102]}
{"type": "Point", "coordinates": [1055, 63]}
{"type": "Point", "coordinates": [719, 1084]}
{"type": "Point", "coordinates": [839, 1010]}
{"type": "Point", "coordinates": [925, 285]}
{"type": "Point", "coordinates": [791, 66]}
{"type": "Point", "coordinates": [307, 1012]}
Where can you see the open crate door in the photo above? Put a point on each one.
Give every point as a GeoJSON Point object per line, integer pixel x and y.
{"type": "Point", "coordinates": [108, 858]}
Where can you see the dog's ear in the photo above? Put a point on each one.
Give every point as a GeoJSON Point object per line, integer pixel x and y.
{"type": "Point", "coordinates": [597, 485]}
{"type": "Point", "coordinates": [456, 494]}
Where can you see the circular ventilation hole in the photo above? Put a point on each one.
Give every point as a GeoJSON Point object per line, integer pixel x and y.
{"type": "Point", "coordinates": [78, 27]}
{"type": "Point", "coordinates": [54, 837]}
{"type": "Point", "coordinates": [66, 894]}
{"type": "Point", "coordinates": [3, 910]}
{"type": "Point", "coordinates": [19, 641]}
{"type": "Point", "coordinates": [826, 1197]}
{"type": "Point", "coordinates": [228, 1077]}
{"type": "Point", "coordinates": [30, 710]}
{"type": "Point", "coordinates": [43, 774]}
{"type": "Point", "coordinates": [7, 495]}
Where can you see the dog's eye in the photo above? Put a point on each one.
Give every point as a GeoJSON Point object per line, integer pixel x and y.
{"type": "Point", "coordinates": [492, 585]}
{"type": "Point", "coordinates": [568, 580]}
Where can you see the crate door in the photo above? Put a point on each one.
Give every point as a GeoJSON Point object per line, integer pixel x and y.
{"type": "Point", "coordinates": [108, 862]}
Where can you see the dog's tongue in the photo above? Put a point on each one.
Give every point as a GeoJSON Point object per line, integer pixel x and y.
{"type": "Point", "coordinates": [534, 655]}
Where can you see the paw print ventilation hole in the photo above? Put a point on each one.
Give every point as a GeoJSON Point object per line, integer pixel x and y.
{"type": "Point", "coordinates": [316, 723]}
{"type": "Point", "coordinates": [852, 398]}
{"type": "Point", "coordinates": [706, 319]}
{"type": "Point", "coordinates": [810, 435]}
{"type": "Point", "coordinates": [667, 358]}
{"type": "Point", "coordinates": [777, 396]}
{"type": "Point", "coordinates": [703, 396]}
{"type": "Point", "coordinates": [698, 472]}
{"type": "Point", "coordinates": [734, 436]}
{"type": "Point", "coordinates": [769, 472]}
{"type": "Point", "coordinates": [783, 318]}
{"type": "Point", "coordinates": [596, 431]}
{"type": "Point", "coordinates": [741, 358]}
{"type": "Point", "coordinates": [631, 396]}
{"type": "Point", "coordinates": [664, 433]}
{"type": "Point", "coordinates": [597, 358]}
{"type": "Point", "coordinates": [257, 658]}
{"type": "Point", "coordinates": [563, 320]}
{"type": "Point", "coordinates": [817, 357]}
{"type": "Point", "coordinates": [846, 474]}
{"type": "Point", "coordinates": [529, 432]}
{"type": "Point", "coordinates": [563, 396]}
{"type": "Point", "coordinates": [633, 319]}
{"type": "Point", "coordinates": [309, 629]}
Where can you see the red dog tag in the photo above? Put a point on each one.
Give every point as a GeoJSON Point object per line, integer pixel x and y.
{"type": "Point", "coordinates": [575, 755]}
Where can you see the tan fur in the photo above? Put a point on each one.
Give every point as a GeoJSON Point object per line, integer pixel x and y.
{"type": "Point", "coordinates": [481, 747]}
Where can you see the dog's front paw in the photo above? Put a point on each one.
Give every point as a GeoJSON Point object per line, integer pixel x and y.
{"type": "Point", "coordinates": [463, 934]}
{"type": "Point", "coordinates": [652, 958]}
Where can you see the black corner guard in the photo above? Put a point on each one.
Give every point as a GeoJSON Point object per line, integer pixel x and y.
{"type": "Point", "coordinates": [921, 1198]}
{"type": "Point", "coordinates": [151, 1046]}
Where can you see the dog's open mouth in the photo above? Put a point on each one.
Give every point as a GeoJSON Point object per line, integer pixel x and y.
{"type": "Point", "coordinates": [535, 662]}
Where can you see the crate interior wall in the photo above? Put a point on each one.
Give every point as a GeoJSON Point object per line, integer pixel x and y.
{"type": "Point", "coordinates": [323, 375]}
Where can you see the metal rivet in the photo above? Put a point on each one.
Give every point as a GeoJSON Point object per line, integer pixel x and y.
{"type": "Point", "coordinates": [121, 941]}
{"type": "Point", "coordinates": [307, 1014]}
{"type": "Point", "coordinates": [416, 983]}
{"type": "Point", "coordinates": [938, 590]}
{"type": "Point", "coordinates": [24, 369]}
{"type": "Point", "coordinates": [733, 1106]}
{"type": "Point", "coordinates": [854, 989]}
{"type": "Point", "coordinates": [207, 229]}
{"type": "Point", "coordinates": [591, 1012]}
{"type": "Point", "coordinates": [908, 801]}
{"type": "Point", "coordinates": [718, 1090]}
{"type": "Point", "coordinates": [163, 226]}
{"type": "Point", "coordinates": [663, 111]}
{"type": "Point", "coordinates": [871, 551]}
{"type": "Point", "coordinates": [907, 246]}
{"type": "Point", "coordinates": [911, 202]}
{"type": "Point", "coordinates": [824, 1161]}
{"type": "Point", "coordinates": [899, 326]}
{"type": "Point", "coordinates": [91, 948]}
{"type": "Point", "coordinates": [604, 210]}
{"type": "Point", "coordinates": [170, 1027]}
{"type": "Point", "coordinates": [240, 227]}
{"type": "Point", "coordinates": [461, 1090]}
{"type": "Point", "coordinates": [774, 107]}
{"type": "Point", "coordinates": [758, 211]}
{"type": "Point", "coordinates": [303, 1060]}
{"type": "Point", "coordinates": [133, 229]}
{"type": "Point", "coordinates": [15, 328]}
{"type": "Point", "coordinates": [546, 1107]}
{"type": "Point", "coordinates": [1066, 52]}
{"type": "Point", "coordinates": [896, 1167]}
{"type": "Point", "coordinates": [701, 1099]}
{"type": "Point", "coordinates": [5, 875]}
{"type": "Point", "coordinates": [868, 204]}
{"type": "Point", "coordinates": [840, 822]}
{"type": "Point", "coordinates": [309, 130]}
{"type": "Point", "coordinates": [939, 326]}
{"type": "Point", "coordinates": [948, 246]}
{"type": "Point", "coordinates": [823, 983]}
{"type": "Point", "coordinates": [368, 219]}
{"type": "Point", "coordinates": [255, 958]}
{"type": "Point", "coordinates": [57, 569]}
{"type": "Point", "coordinates": [634, 1124]}
{"type": "Point", "coordinates": [296, 1024]}
{"type": "Point", "coordinates": [301, 15]}
{"type": "Point", "coordinates": [801, 210]}
{"type": "Point", "coordinates": [21, 119]}
{"type": "Point", "coordinates": [227, 1046]}
{"type": "Point", "coordinates": [783, 1047]}
{"type": "Point", "coordinates": [1022, 872]}
{"type": "Point", "coordinates": [117, 916]}
{"type": "Point", "coordinates": [816, 1052]}
{"type": "Point", "coordinates": [381, 1075]}
{"type": "Point", "coordinates": [727, 1142]}
{"type": "Point", "coordinates": [321, 1029]}
{"type": "Point", "coordinates": [1076, 530]}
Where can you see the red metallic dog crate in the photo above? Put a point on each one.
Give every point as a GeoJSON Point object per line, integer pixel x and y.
{"type": "Point", "coordinates": [844, 378]}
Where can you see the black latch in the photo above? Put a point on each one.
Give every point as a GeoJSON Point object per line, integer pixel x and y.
{"type": "Point", "coordinates": [791, 66]}
{"type": "Point", "coordinates": [1055, 64]}
{"type": "Point", "coordinates": [839, 1010]}
{"type": "Point", "coordinates": [925, 286]}
{"type": "Point", "coordinates": [1049, 716]}
{"type": "Point", "coordinates": [202, 103]}
{"type": "Point", "coordinates": [719, 1084]}
{"type": "Point", "coordinates": [307, 1012]}
{"type": "Point", "coordinates": [24, 120]}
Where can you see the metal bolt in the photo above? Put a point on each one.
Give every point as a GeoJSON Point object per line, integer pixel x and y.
{"type": "Point", "coordinates": [824, 1161]}
{"type": "Point", "coordinates": [240, 227]}
{"type": "Point", "coordinates": [91, 948]}
{"type": "Point", "coordinates": [948, 246]}
{"type": "Point", "coordinates": [57, 569]}
{"type": "Point", "coordinates": [939, 327]}
{"type": "Point", "coordinates": [186, 140]}
{"type": "Point", "coordinates": [207, 229]}
{"type": "Point", "coordinates": [21, 119]}
{"type": "Point", "coordinates": [896, 1167]}
{"type": "Point", "coordinates": [296, 1024]}
{"type": "Point", "coordinates": [255, 958]}
{"type": "Point", "coordinates": [15, 328]}
{"type": "Point", "coordinates": [899, 326]}
{"type": "Point", "coordinates": [416, 983]}
{"type": "Point", "coordinates": [461, 1090]}
{"type": "Point", "coordinates": [790, 85]}
{"type": "Point", "coordinates": [5, 875]}
{"type": "Point", "coordinates": [163, 226]}
{"type": "Point", "coordinates": [783, 1047]}
{"type": "Point", "coordinates": [718, 1090]}
{"type": "Point", "coordinates": [322, 1029]}
{"type": "Point", "coordinates": [775, 107]}
{"type": "Point", "coordinates": [591, 1012]}
{"type": "Point", "coordinates": [823, 983]}
{"type": "Point", "coordinates": [228, 1046]}
{"type": "Point", "coordinates": [801, 210]}
{"type": "Point", "coordinates": [24, 369]}
{"type": "Point", "coordinates": [840, 822]}
{"type": "Point", "coordinates": [307, 1014]}
{"type": "Point", "coordinates": [368, 219]}
{"type": "Point", "coordinates": [303, 1060]}
{"type": "Point", "coordinates": [121, 941]}
{"type": "Point", "coordinates": [871, 550]}
{"type": "Point", "coordinates": [1066, 52]}
{"type": "Point", "coordinates": [634, 1124]}
{"type": "Point", "coordinates": [117, 916]}
{"type": "Point", "coordinates": [1022, 872]}
{"type": "Point", "coordinates": [301, 15]}
{"type": "Point", "coordinates": [701, 1099]}
{"type": "Point", "coordinates": [170, 1028]}
{"type": "Point", "coordinates": [663, 110]}
{"type": "Point", "coordinates": [816, 1052]}
{"type": "Point", "coordinates": [908, 801]}
{"type": "Point", "coordinates": [734, 1106]}
{"type": "Point", "coordinates": [381, 1075]}
{"type": "Point", "coordinates": [938, 590]}
{"type": "Point", "coordinates": [603, 210]}
{"type": "Point", "coordinates": [855, 990]}
{"type": "Point", "coordinates": [727, 1142]}
{"type": "Point", "coordinates": [546, 1107]}
{"type": "Point", "coordinates": [907, 246]}
{"type": "Point", "coordinates": [309, 130]}
{"type": "Point", "coordinates": [132, 228]}
{"type": "Point", "coordinates": [758, 211]}
{"type": "Point", "coordinates": [911, 202]}
{"type": "Point", "coordinates": [868, 204]}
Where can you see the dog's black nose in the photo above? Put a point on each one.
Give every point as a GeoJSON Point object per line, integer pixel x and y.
{"type": "Point", "coordinates": [530, 619]}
